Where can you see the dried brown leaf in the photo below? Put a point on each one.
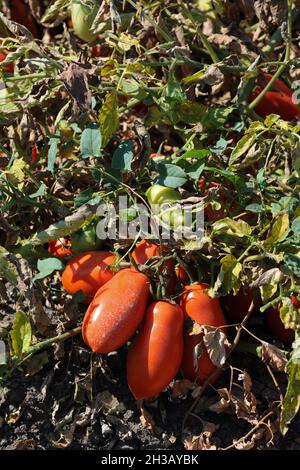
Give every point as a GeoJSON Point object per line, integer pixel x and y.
{"type": "Point", "coordinates": [274, 356]}
{"type": "Point", "coordinates": [215, 342]}
{"type": "Point", "coordinates": [182, 387]}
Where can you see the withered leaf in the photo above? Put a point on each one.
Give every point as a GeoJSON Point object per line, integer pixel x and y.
{"type": "Point", "coordinates": [273, 356]}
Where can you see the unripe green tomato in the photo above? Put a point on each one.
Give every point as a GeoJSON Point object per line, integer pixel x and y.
{"type": "Point", "coordinates": [83, 15]}
{"type": "Point", "coordinates": [173, 217]}
{"type": "Point", "coordinates": [86, 239]}
{"type": "Point", "coordinates": [158, 194]}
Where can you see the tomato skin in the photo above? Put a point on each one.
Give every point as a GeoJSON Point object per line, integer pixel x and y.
{"type": "Point", "coordinates": [87, 272]}
{"type": "Point", "coordinates": [236, 306]}
{"type": "Point", "coordinates": [82, 19]}
{"type": "Point", "coordinates": [60, 248]}
{"type": "Point", "coordinates": [276, 101]}
{"type": "Point", "coordinates": [21, 14]}
{"type": "Point", "coordinates": [116, 311]}
{"type": "Point", "coordinates": [154, 357]}
{"type": "Point", "coordinates": [158, 194]}
{"type": "Point", "coordinates": [8, 68]}
{"type": "Point", "coordinates": [286, 335]}
{"type": "Point", "coordinates": [181, 274]}
{"type": "Point", "coordinates": [205, 310]}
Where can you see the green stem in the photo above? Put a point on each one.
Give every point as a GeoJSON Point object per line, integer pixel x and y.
{"type": "Point", "coordinates": [16, 78]}
{"type": "Point", "coordinates": [208, 47]}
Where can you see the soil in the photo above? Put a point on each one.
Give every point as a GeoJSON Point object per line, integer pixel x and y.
{"type": "Point", "coordinates": [81, 401]}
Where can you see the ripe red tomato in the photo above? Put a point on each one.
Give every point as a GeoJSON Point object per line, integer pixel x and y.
{"type": "Point", "coordinates": [155, 355]}
{"type": "Point", "coordinates": [236, 306]}
{"type": "Point", "coordinates": [279, 100]}
{"type": "Point", "coordinates": [205, 310]}
{"type": "Point", "coordinates": [8, 68]}
{"type": "Point", "coordinates": [286, 335]}
{"type": "Point", "coordinates": [87, 272]}
{"type": "Point", "coordinates": [116, 311]}
{"type": "Point", "coordinates": [60, 248]}
{"type": "Point", "coordinates": [146, 250]}
{"type": "Point", "coordinates": [21, 14]}
{"type": "Point", "coordinates": [181, 274]}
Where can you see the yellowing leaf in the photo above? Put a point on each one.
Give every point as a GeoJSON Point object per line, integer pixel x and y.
{"type": "Point", "coordinates": [109, 117]}
{"type": "Point", "coordinates": [278, 230]}
{"type": "Point", "coordinates": [16, 172]}
{"type": "Point", "coordinates": [21, 335]}
{"type": "Point", "coordinates": [238, 228]}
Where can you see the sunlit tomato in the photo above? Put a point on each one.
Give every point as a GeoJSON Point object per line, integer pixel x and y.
{"type": "Point", "coordinates": [181, 274]}
{"type": "Point", "coordinates": [87, 272]}
{"type": "Point", "coordinates": [236, 306]}
{"type": "Point", "coordinates": [83, 16]}
{"type": "Point", "coordinates": [34, 154]}
{"type": "Point", "coordinates": [196, 304]}
{"type": "Point", "coordinates": [279, 100]}
{"type": "Point", "coordinates": [7, 68]}
{"type": "Point", "coordinates": [60, 248]}
{"type": "Point", "coordinates": [154, 357]}
{"type": "Point", "coordinates": [146, 250]}
{"type": "Point", "coordinates": [86, 239]}
{"type": "Point", "coordinates": [158, 194]}
{"type": "Point", "coordinates": [286, 335]}
{"type": "Point", "coordinates": [116, 311]}
{"type": "Point", "coordinates": [20, 13]}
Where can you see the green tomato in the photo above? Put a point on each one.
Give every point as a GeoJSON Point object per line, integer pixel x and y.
{"type": "Point", "coordinates": [83, 15]}
{"type": "Point", "coordinates": [173, 217]}
{"type": "Point", "coordinates": [86, 239]}
{"type": "Point", "coordinates": [158, 194]}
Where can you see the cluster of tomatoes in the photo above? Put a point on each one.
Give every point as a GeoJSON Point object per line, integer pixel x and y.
{"type": "Point", "coordinates": [121, 303]}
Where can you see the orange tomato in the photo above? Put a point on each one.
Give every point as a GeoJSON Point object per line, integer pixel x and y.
{"type": "Point", "coordinates": [116, 311]}
{"type": "Point", "coordinates": [60, 248]}
{"type": "Point", "coordinates": [88, 272]}
{"type": "Point", "coordinates": [155, 355]}
{"type": "Point", "coordinates": [197, 305]}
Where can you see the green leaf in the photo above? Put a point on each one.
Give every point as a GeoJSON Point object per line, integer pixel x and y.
{"type": "Point", "coordinates": [219, 147]}
{"type": "Point", "coordinates": [237, 228]}
{"type": "Point", "coordinates": [109, 117]}
{"type": "Point", "coordinates": [291, 401]}
{"type": "Point", "coordinates": [191, 113]}
{"type": "Point", "coordinates": [242, 147]}
{"type": "Point", "coordinates": [40, 192]}
{"type": "Point", "coordinates": [194, 170]}
{"type": "Point", "coordinates": [196, 153]}
{"type": "Point", "coordinates": [285, 203]}
{"type": "Point", "coordinates": [292, 262]}
{"type": "Point", "coordinates": [296, 226]}
{"type": "Point", "coordinates": [255, 208]}
{"type": "Point", "coordinates": [54, 9]}
{"type": "Point", "coordinates": [170, 175]}
{"type": "Point", "coordinates": [84, 197]}
{"type": "Point", "coordinates": [216, 117]}
{"type": "Point", "coordinates": [20, 335]}
{"type": "Point", "coordinates": [229, 276]}
{"type": "Point", "coordinates": [52, 153]}
{"type": "Point", "coordinates": [123, 156]}
{"type": "Point", "coordinates": [278, 231]}
{"type": "Point", "coordinates": [48, 266]}
{"type": "Point", "coordinates": [90, 143]}
{"type": "Point", "coordinates": [7, 269]}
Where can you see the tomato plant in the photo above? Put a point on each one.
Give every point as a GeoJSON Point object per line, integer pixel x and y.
{"type": "Point", "coordinates": [155, 355]}
{"type": "Point", "coordinates": [116, 311]}
{"type": "Point", "coordinates": [87, 272]}
{"type": "Point", "coordinates": [200, 307]}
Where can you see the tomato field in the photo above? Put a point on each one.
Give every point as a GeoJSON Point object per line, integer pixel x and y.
{"type": "Point", "coordinates": [149, 214]}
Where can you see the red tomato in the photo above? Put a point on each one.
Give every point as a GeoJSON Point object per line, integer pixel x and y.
{"type": "Point", "coordinates": [146, 250]}
{"type": "Point", "coordinates": [205, 310]}
{"type": "Point", "coordinates": [116, 311]}
{"type": "Point", "coordinates": [101, 50]}
{"type": "Point", "coordinates": [87, 272]}
{"type": "Point", "coordinates": [60, 248]}
{"type": "Point", "coordinates": [181, 274]}
{"type": "Point", "coordinates": [20, 13]}
{"type": "Point", "coordinates": [155, 355]}
{"type": "Point", "coordinates": [279, 100]}
{"type": "Point", "coordinates": [34, 154]}
{"type": "Point", "coordinates": [286, 335]}
{"type": "Point", "coordinates": [237, 306]}
{"type": "Point", "coordinates": [8, 68]}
